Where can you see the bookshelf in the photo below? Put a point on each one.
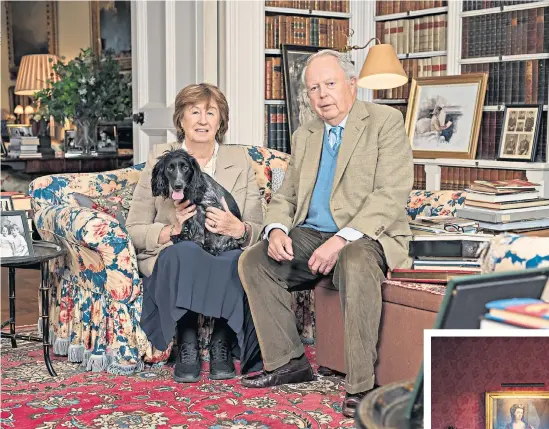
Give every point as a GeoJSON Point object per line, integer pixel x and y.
{"type": "Point", "coordinates": [295, 22]}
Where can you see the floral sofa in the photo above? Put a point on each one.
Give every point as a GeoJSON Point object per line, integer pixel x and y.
{"type": "Point", "coordinates": [97, 291]}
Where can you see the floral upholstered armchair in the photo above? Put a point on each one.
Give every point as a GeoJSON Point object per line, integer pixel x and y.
{"type": "Point", "coordinates": [97, 297]}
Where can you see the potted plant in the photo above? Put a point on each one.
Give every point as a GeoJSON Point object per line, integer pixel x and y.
{"type": "Point", "coordinates": [86, 90]}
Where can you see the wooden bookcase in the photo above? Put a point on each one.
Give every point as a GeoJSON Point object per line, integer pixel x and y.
{"type": "Point", "coordinates": [295, 22]}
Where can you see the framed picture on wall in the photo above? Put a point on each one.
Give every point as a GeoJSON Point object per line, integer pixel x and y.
{"type": "Point", "coordinates": [31, 29]}
{"type": "Point", "coordinates": [520, 132]}
{"type": "Point", "coordinates": [294, 58]}
{"type": "Point", "coordinates": [444, 115]}
{"type": "Point", "coordinates": [15, 237]}
{"type": "Point", "coordinates": [526, 409]}
{"type": "Point", "coordinates": [111, 29]}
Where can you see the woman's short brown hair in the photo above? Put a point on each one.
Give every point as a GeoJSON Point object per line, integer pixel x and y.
{"type": "Point", "coordinates": [198, 93]}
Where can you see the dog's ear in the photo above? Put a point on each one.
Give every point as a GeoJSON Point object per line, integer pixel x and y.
{"type": "Point", "coordinates": [197, 186]}
{"type": "Point", "coordinates": [159, 181]}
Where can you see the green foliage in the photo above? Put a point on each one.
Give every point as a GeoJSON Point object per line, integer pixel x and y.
{"type": "Point", "coordinates": [88, 86]}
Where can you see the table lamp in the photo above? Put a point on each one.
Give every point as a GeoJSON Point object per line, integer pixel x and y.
{"type": "Point", "coordinates": [33, 75]}
{"type": "Point", "coordinates": [18, 112]}
{"type": "Point", "coordinates": [381, 69]}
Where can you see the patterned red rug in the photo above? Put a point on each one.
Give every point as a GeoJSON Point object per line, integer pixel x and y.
{"type": "Point", "coordinates": [151, 399]}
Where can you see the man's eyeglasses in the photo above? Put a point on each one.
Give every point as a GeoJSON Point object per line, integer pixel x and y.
{"type": "Point", "coordinates": [452, 227]}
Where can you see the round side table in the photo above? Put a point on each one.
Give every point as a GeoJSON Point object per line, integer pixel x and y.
{"type": "Point", "coordinates": [44, 251]}
{"type": "Point", "coordinates": [385, 408]}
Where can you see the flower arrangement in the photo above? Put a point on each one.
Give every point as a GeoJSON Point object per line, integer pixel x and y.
{"type": "Point", "coordinates": [85, 90]}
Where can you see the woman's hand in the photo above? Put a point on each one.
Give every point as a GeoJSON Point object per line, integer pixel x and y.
{"type": "Point", "coordinates": [184, 211]}
{"type": "Point", "coordinates": [224, 222]}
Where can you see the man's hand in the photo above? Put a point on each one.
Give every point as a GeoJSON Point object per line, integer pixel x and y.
{"type": "Point", "coordinates": [324, 258]}
{"type": "Point", "coordinates": [280, 246]}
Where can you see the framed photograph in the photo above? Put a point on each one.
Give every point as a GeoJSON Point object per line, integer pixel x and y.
{"type": "Point", "coordinates": [6, 203]}
{"type": "Point", "coordinates": [444, 115]}
{"type": "Point", "coordinates": [31, 29]}
{"type": "Point", "coordinates": [111, 29]}
{"type": "Point", "coordinates": [106, 138]}
{"type": "Point", "coordinates": [15, 238]}
{"type": "Point", "coordinates": [69, 142]}
{"type": "Point", "coordinates": [519, 136]}
{"type": "Point", "coordinates": [18, 130]}
{"type": "Point", "coordinates": [512, 409]}
{"type": "Point", "coordinates": [294, 58]}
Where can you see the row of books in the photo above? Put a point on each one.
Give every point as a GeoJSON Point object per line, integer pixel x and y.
{"type": "Point", "coordinates": [512, 82]}
{"type": "Point", "coordinates": [414, 68]}
{"type": "Point", "coordinates": [277, 132]}
{"type": "Point", "coordinates": [326, 5]}
{"type": "Point", "coordinates": [442, 247]}
{"type": "Point", "coordinates": [424, 34]}
{"type": "Point", "coordinates": [274, 79]}
{"type": "Point", "coordinates": [459, 178]}
{"type": "Point", "coordinates": [505, 205]}
{"type": "Point", "coordinates": [387, 7]}
{"type": "Point", "coordinates": [420, 178]}
{"type": "Point", "coordinates": [516, 313]}
{"type": "Point", "coordinates": [488, 4]}
{"type": "Point", "coordinates": [301, 30]}
{"type": "Point", "coordinates": [512, 33]}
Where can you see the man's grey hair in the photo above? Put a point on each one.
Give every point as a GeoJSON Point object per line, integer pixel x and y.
{"type": "Point", "coordinates": [342, 59]}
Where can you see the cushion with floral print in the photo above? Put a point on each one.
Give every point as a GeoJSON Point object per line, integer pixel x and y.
{"type": "Point", "coordinates": [116, 204]}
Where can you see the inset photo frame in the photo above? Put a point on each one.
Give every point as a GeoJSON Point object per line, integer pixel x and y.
{"type": "Point", "coordinates": [15, 236]}
{"type": "Point", "coordinates": [444, 115]}
{"type": "Point", "coordinates": [19, 130]}
{"type": "Point", "coordinates": [107, 138]}
{"type": "Point", "coordinates": [520, 133]}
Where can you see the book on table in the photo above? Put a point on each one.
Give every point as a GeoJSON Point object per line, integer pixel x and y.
{"type": "Point", "coordinates": [506, 205]}
{"type": "Point", "coordinates": [503, 186]}
{"type": "Point", "coordinates": [490, 197]}
{"type": "Point", "coordinates": [482, 214]}
{"type": "Point", "coordinates": [526, 312]}
{"type": "Point", "coordinates": [426, 276]}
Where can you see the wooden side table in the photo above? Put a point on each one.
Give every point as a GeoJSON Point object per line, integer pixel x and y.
{"type": "Point", "coordinates": [385, 408]}
{"type": "Point", "coordinates": [43, 252]}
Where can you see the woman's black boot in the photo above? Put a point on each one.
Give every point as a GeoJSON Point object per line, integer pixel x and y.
{"type": "Point", "coordinates": [187, 364]}
{"type": "Point", "coordinates": [221, 345]}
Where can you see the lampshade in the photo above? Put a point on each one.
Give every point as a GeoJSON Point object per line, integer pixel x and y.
{"type": "Point", "coordinates": [18, 110]}
{"type": "Point", "coordinates": [382, 69]}
{"type": "Point", "coordinates": [29, 110]}
{"type": "Point", "coordinates": [34, 72]}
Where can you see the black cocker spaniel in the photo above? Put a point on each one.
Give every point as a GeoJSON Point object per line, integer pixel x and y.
{"type": "Point", "coordinates": [178, 175]}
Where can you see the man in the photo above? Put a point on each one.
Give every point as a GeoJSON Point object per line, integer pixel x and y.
{"type": "Point", "coordinates": [341, 205]}
{"type": "Point", "coordinates": [529, 124]}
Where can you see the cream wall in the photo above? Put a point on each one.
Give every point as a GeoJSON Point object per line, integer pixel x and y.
{"type": "Point", "coordinates": [74, 32]}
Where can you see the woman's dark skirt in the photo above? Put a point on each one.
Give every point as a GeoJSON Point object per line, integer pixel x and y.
{"type": "Point", "coordinates": [185, 277]}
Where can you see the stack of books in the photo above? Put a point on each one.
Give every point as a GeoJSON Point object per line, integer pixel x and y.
{"type": "Point", "coordinates": [516, 313]}
{"type": "Point", "coordinates": [29, 148]}
{"type": "Point", "coordinates": [506, 205]}
{"type": "Point", "coordinates": [437, 258]}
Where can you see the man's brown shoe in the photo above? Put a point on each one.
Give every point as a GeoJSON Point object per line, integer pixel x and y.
{"type": "Point", "coordinates": [351, 401]}
{"type": "Point", "coordinates": [296, 371]}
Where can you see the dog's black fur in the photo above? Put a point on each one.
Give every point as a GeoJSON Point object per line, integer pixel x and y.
{"type": "Point", "coordinates": [176, 170]}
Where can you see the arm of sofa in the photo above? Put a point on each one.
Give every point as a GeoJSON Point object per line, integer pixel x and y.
{"type": "Point", "coordinates": [99, 249]}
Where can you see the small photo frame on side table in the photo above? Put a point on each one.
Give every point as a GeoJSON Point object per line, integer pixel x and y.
{"type": "Point", "coordinates": [19, 130]}
{"type": "Point", "coordinates": [6, 203]}
{"type": "Point", "coordinates": [15, 235]}
{"type": "Point", "coordinates": [519, 136]}
{"type": "Point", "coordinates": [107, 139]}
{"type": "Point", "coordinates": [70, 142]}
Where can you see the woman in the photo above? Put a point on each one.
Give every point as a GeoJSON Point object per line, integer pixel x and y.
{"type": "Point", "coordinates": [182, 280]}
{"type": "Point", "coordinates": [517, 416]}
{"type": "Point", "coordinates": [7, 245]}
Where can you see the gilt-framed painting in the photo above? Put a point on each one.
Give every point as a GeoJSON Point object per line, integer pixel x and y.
{"type": "Point", "coordinates": [111, 27]}
{"type": "Point", "coordinates": [31, 29]}
{"type": "Point", "coordinates": [444, 115]}
{"type": "Point", "coordinates": [517, 409]}
{"type": "Point", "coordinates": [294, 58]}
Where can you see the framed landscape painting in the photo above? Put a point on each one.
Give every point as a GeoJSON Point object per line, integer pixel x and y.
{"type": "Point", "coordinates": [444, 115]}
{"type": "Point", "coordinates": [511, 409]}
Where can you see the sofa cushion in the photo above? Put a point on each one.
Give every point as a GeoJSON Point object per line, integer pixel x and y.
{"type": "Point", "coordinates": [515, 252]}
{"type": "Point", "coordinates": [434, 203]}
{"type": "Point", "coordinates": [422, 296]}
{"type": "Point", "coordinates": [116, 204]}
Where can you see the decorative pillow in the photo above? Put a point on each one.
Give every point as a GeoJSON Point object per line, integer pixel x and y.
{"type": "Point", "coordinates": [116, 204]}
{"type": "Point", "coordinates": [434, 203]}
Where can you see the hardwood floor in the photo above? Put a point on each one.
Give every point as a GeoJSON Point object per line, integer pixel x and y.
{"type": "Point", "coordinates": [27, 284]}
